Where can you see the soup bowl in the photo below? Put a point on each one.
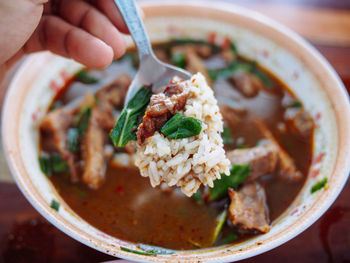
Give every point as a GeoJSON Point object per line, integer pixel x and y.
{"type": "Point", "coordinates": [258, 38]}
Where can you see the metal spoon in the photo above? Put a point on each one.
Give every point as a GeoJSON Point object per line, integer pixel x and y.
{"type": "Point", "coordinates": [151, 70]}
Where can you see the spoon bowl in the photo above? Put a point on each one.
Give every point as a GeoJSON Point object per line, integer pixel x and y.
{"type": "Point", "coordinates": [151, 70]}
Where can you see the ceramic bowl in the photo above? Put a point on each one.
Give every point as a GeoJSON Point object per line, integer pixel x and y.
{"type": "Point", "coordinates": [258, 38]}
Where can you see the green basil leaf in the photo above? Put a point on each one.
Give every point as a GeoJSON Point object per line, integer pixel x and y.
{"type": "Point", "coordinates": [260, 74]}
{"type": "Point", "coordinates": [178, 59]}
{"type": "Point", "coordinates": [82, 121]}
{"type": "Point", "coordinates": [229, 239]}
{"type": "Point", "coordinates": [238, 174]}
{"type": "Point", "coordinates": [251, 67]}
{"type": "Point", "coordinates": [179, 127]}
{"type": "Point", "coordinates": [84, 77]}
{"type": "Point", "coordinates": [227, 136]}
{"type": "Point", "coordinates": [319, 185]}
{"type": "Point", "coordinates": [233, 47]}
{"type": "Point", "coordinates": [197, 197]}
{"type": "Point", "coordinates": [73, 140]}
{"type": "Point", "coordinates": [191, 41]}
{"type": "Point", "coordinates": [144, 253]}
{"type": "Point", "coordinates": [55, 205]}
{"type": "Point", "coordinates": [45, 165]}
{"type": "Point", "coordinates": [58, 164]}
{"type": "Point", "coordinates": [295, 104]}
{"type": "Point", "coordinates": [220, 220]}
{"type": "Point", "coordinates": [125, 128]}
{"type": "Point", "coordinates": [52, 164]}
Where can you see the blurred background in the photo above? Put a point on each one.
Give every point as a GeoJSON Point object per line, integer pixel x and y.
{"type": "Point", "coordinates": [26, 237]}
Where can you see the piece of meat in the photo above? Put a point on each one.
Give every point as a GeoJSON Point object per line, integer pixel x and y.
{"type": "Point", "coordinates": [101, 121]}
{"type": "Point", "coordinates": [287, 168]}
{"type": "Point", "coordinates": [228, 55]}
{"type": "Point", "coordinates": [108, 98]}
{"type": "Point", "coordinates": [203, 51]}
{"type": "Point", "coordinates": [54, 128]}
{"type": "Point", "coordinates": [195, 64]}
{"type": "Point", "coordinates": [115, 92]}
{"type": "Point", "coordinates": [245, 82]}
{"type": "Point", "coordinates": [232, 115]}
{"type": "Point", "coordinates": [104, 114]}
{"type": "Point", "coordinates": [161, 107]}
{"type": "Point", "coordinates": [130, 147]}
{"type": "Point", "coordinates": [262, 159]}
{"type": "Point", "coordinates": [92, 149]}
{"type": "Point", "coordinates": [299, 120]}
{"type": "Point", "coordinates": [161, 55]}
{"type": "Point", "coordinates": [248, 208]}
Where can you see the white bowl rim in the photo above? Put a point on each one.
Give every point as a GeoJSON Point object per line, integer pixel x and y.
{"type": "Point", "coordinates": [238, 11]}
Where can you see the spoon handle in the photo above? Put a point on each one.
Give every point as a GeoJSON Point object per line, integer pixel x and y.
{"type": "Point", "coordinates": [136, 27]}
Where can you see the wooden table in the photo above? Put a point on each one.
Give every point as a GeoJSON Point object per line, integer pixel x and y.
{"type": "Point", "coordinates": [27, 237]}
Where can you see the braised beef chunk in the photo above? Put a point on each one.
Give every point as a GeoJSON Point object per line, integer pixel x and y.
{"type": "Point", "coordinates": [287, 168]}
{"type": "Point", "coordinates": [295, 116]}
{"type": "Point", "coordinates": [248, 208]}
{"type": "Point", "coordinates": [248, 84]}
{"type": "Point", "coordinates": [54, 127]}
{"type": "Point", "coordinates": [232, 115]}
{"type": "Point", "coordinates": [262, 159]}
{"type": "Point", "coordinates": [194, 62]}
{"type": "Point", "coordinates": [299, 120]}
{"type": "Point", "coordinates": [92, 149]}
{"type": "Point", "coordinates": [161, 107]}
{"type": "Point", "coordinates": [101, 122]}
{"type": "Point", "coordinates": [115, 92]}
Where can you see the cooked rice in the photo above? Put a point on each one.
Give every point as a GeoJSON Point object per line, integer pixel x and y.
{"type": "Point", "coordinates": [188, 162]}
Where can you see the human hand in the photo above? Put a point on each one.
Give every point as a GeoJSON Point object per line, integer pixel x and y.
{"type": "Point", "coordinates": [87, 31]}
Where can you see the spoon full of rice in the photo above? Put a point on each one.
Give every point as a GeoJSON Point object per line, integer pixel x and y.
{"type": "Point", "coordinates": [174, 117]}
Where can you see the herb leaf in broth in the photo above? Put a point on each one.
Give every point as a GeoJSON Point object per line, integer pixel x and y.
{"type": "Point", "coordinates": [52, 164]}
{"type": "Point", "coordinates": [179, 127]}
{"type": "Point", "coordinates": [235, 66]}
{"type": "Point", "coordinates": [319, 185]}
{"type": "Point", "coordinates": [227, 136]}
{"type": "Point", "coordinates": [187, 41]}
{"type": "Point", "coordinates": [125, 128]}
{"type": "Point", "coordinates": [55, 205]}
{"type": "Point", "coordinates": [83, 77]}
{"type": "Point", "coordinates": [73, 139]}
{"type": "Point", "coordinates": [45, 165]}
{"type": "Point", "coordinates": [254, 69]}
{"type": "Point", "coordinates": [178, 59]}
{"type": "Point", "coordinates": [82, 121]}
{"type": "Point", "coordinates": [144, 253]}
{"type": "Point", "coordinates": [233, 47]}
{"type": "Point", "coordinates": [58, 164]}
{"type": "Point", "coordinates": [238, 174]}
{"type": "Point", "coordinates": [197, 197]}
{"type": "Point", "coordinates": [229, 239]}
{"type": "Point", "coordinates": [295, 104]}
{"type": "Point", "coordinates": [220, 220]}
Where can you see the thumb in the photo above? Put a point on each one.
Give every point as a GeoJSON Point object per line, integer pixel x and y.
{"type": "Point", "coordinates": [18, 20]}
